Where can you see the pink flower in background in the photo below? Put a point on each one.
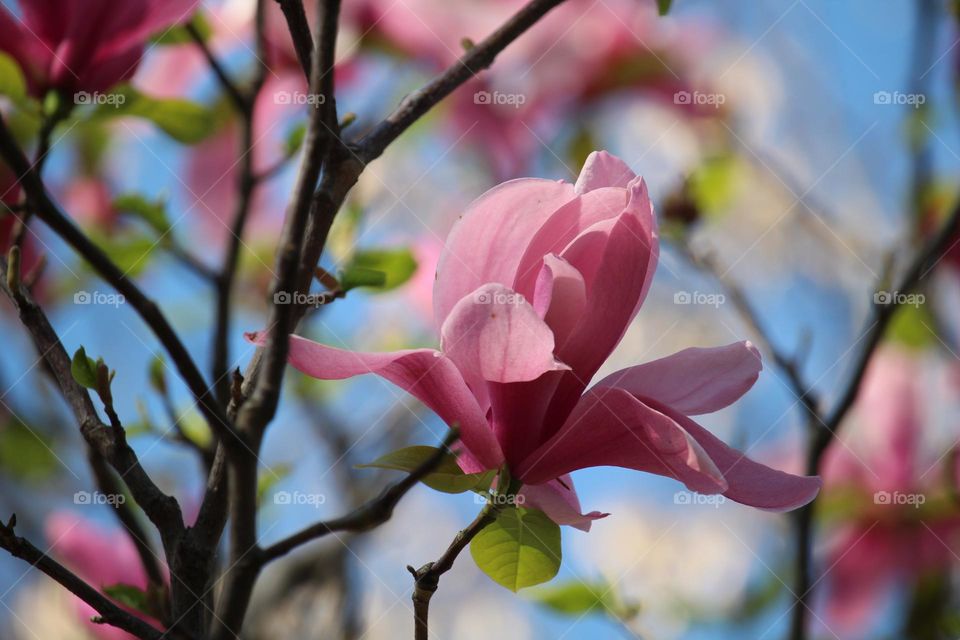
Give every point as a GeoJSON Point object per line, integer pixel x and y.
{"type": "Point", "coordinates": [903, 522]}
{"type": "Point", "coordinates": [99, 556]}
{"type": "Point", "coordinates": [536, 286]}
{"type": "Point", "coordinates": [84, 45]}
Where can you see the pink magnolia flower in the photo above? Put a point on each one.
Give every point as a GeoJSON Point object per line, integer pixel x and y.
{"type": "Point", "coordinates": [84, 45]}
{"type": "Point", "coordinates": [101, 557]}
{"type": "Point", "coordinates": [536, 286]}
{"type": "Point", "coordinates": [901, 521]}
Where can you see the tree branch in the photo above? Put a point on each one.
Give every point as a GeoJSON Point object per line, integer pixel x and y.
{"type": "Point", "coordinates": [470, 64]}
{"type": "Point", "coordinates": [41, 202]}
{"type": "Point", "coordinates": [109, 612]}
{"type": "Point", "coordinates": [369, 515]}
{"type": "Point", "coordinates": [299, 28]}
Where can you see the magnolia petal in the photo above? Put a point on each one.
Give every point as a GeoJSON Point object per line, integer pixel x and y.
{"type": "Point", "coordinates": [424, 373]}
{"type": "Point", "coordinates": [559, 502]}
{"type": "Point", "coordinates": [488, 241]}
{"type": "Point", "coordinates": [693, 381]}
{"type": "Point", "coordinates": [603, 169]}
{"type": "Point", "coordinates": [560, 296]}
{"type": "Point", "coordinates": [609, 427]}
{"type": "Point", "coordinates": [494, 335]}
{"type": "Point", "coordinates": [749, 482]}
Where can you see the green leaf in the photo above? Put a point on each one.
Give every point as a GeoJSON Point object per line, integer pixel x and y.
{"type": "Point", "coordinates": [294, 139]}
{"type": "Point", "coordinates": [269, 478]}
{"type": "Point", "coordinates": [663, 6]}
{"type": "Point", "coordinates": [153, 212]}
{"type": "Point", "coordinates": [576, 598]}
{"type": "Point", "coordinates": [158, 375]}
{"type": "Point", "coordinates": [182, 120]}
{"type": "Point", "coordinates": [130, 251]}
{"type": "Point", "coordinates": [179, 35]}
{"type": "Point", "coordinates": [912, 326]}
{"type": "Point", "coordinates": [384, 269]}
{"type": "Point", "coordinates": [84, 369]}
{"type": "Point", "coordinates": [134, 598]}
{"type": "Point", "coordinates": [26, 453]}
{"type": "Point", "coordinates": [521, 548]}
{"type": "Point", "coordinates": [448, 476]}
{"type": "Point", "coordinates": [12, 82]}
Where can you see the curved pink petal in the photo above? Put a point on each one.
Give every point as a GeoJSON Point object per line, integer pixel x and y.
{"type": "Point", "coordinates": [488, 241]}
{"type": "Point", "coordinates": [603, 169]}
{"type": "Point", "coordinates": [560, 297]}
{"type": "Point", "coordinates": [558, 499]}
{"type": "Point", "coordinates": [609, 427]}
{"type": "Point", "coordinates": [693, 381]}
{"type": "Point", "coordinates": [750, 483]}
{"type": "Point", "coordinates": [424, 373]}
{"type": "Point", "coordinates": [494, 335]}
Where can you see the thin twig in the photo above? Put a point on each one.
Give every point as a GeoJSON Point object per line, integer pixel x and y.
{"type": "Point", "coordinates": [299, 28]}
{"type": "Point", "coordinates": [369, 515]}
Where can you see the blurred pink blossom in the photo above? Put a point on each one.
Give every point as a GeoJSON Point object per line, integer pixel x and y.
{"type": "Point", "coordinates": [101, 557]}
{"type": "Point", "coordinates": [84, 45]}
{"type": "Point", "coordinates": [535, 288]}
{"type": "Point", "coordinates": [906, 524]}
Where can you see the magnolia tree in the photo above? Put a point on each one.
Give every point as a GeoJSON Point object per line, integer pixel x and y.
{"type": "Point", "coordinates": [521, 307]}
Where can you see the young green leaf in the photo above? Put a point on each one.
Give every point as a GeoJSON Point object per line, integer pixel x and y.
{"type": "Point", "coordinates": [521, 548]}
{"type": "Point", "coordinates": [12, 82]}
{"type": "Point", "coordinates": [131, 597]}
{"type": "Point", "coordinates": [153, 212]}
{"type": "Point", "coordinates": [447, 477]}
{"type": "Point", "coordinates": [182, 120]}
{"type": "Point", "coordinates": [84, 369]}
{"type": "Point", "coordinates": [384, 269]}
{"type": "Point", "coordinates": [664, 6]}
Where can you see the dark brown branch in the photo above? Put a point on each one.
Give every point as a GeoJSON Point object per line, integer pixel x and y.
{"type": "Point", "coordinates": [822, 438]}
{"type": "Point", "coordinates": [426, 579]}
{"type": "Point", "coordinates": [260, 408]}
{"type": "Point", "coordinates": [41, 202]}
{"type": "Point", "coordinates": [299, 28]}
{"type": "Point", "coordinates": [109, 612]}
{"type": "Point", "coordinates": [470, 64]}
{"type": "Point", "coordinates": [239, 99]}
{"type": "Point", "coordinates": [162, 509]}
{"type": "Point", "coordinates": [369, 515]}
